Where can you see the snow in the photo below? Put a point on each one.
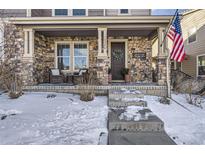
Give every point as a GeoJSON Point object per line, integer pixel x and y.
{"type": "Point", "coordinates": [183, 125]}
{"type": "Point", "coordinates": [53, 118]}
{"type": "Point", "coordinates": [9, 112]}
{"type": "Point", "coordinates": [133, 113]}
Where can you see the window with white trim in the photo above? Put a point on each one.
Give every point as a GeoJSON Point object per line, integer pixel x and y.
{"type": "Point", "coordinates": [124, 11]}
{"type": "Point", "coordinates": [192, 35]}
{"type": "Point", "coordinates": [79, 12]}
{"type": "Point", "coordinates": [80, 55]}
{"type": "Point", "coordinates": [201, 65]}
{"type": "Point", "coordinates": [60, 12]}
{"type": "Point", "coordinates": [72, 56]}
{"type": "Point", "coordinates": [63, 56]}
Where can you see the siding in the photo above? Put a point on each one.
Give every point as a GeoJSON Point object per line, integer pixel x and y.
{"type": "Point", "coordinates": [41, 12]}
{"type": "Point", "coordinates": [111, 12]}
{"type": "Point", "coordinates": [95, 12]}
{"type": "Point", "coordinates": [48, 12]}
{"type": "Point", "coordinates": [13, 12]}
{"type": "Point", "coordinates": [195, 19]}
{"type": "Point", "coordinates": [140, 12]}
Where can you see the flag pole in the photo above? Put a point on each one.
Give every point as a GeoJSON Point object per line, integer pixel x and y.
{"type": "Point", "coordinates": [169, 27]}
{"type": "Point", "coordinates": [168, 59]}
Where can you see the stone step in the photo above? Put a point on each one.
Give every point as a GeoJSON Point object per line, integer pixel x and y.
{"type": "Point", "coordinates": [121, 103]}
{"type": "Point", "coordinates": [120, 96]}
{"type": "Point", "coordinates": [139, 138]}
{"type": "Point", "coordinates": [150, 124]}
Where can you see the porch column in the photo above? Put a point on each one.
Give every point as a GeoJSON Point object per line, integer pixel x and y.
{"type": "Point", "coordinates": [28, 57]}
{"type": "Point", "coordinates": [162, 56]}
{"type": "Point", "coordinates": [102, 43]}
{"type": "Point", "coordinates": [28, 43]}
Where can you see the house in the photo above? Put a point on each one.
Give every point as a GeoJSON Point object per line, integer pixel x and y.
{"type": "Point", "coordinates": [71, 39]}
{"type": "Point", "coordinates": [193, 29]}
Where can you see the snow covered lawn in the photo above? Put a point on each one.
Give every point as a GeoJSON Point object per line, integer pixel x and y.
{"type": "Point", "coordinates": [58, 119]}
{"type": "Point", "coordinates": [183, 126]}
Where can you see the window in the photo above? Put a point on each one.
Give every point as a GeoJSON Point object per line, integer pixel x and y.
{"type": "Point", "coordinates": [201, 65]}
{"type": "Point", "coordinates": [124, 11]}
{"type": "Point", "coordinates": [80, 55]}
{"type": "Point", "coordinates": [79, 12]}
{"type": "Point", "coordinates": [71, 56]}
{"type": "Point", "coordinates": [61, 12]}
{"type": "Point", "coordinates": [192, 35]}
{"type": "Point", "coordinates": [63, 56]}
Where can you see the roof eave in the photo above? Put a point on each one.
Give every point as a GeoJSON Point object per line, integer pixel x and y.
{"type": "Point", "coordinates": [87, 20]}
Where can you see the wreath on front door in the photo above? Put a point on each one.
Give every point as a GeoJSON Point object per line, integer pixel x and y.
{"type": "Point", "coordinates": [117, 55]}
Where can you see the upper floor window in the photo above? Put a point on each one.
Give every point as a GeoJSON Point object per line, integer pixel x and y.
{"type": "Point", "coordinates": [192, 35]}
{"type": "Point", "coordinates": [60, 12]}
{"type": "Point", "coordinates": [201, 65]}
{"type": "Point", "coordinates": [124, 11]}
{"type": "Point", "coordinates": [79, 12]}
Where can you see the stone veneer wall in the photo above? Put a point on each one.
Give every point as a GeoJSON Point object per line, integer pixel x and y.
{"type": "Point", "coordinates": [140, 70]}
{"type": "Point", "coordinates": [45, 53]}
{"type": "Point", "coordinates": [14, 43]}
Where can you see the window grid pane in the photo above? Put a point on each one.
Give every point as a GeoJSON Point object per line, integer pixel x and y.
{"type": "Point", "coordinates": [59, 12]}
{"type": "Point", "coordinates": [63, 56]}
{"type": "Point", "coordinates": [124, 11]}
{"type": "Point", "coordinates": [201, 65]}
{"type": "Point", "coordinates": [80, 55]}
{"type": "Point", "coordinates": [79, 12]}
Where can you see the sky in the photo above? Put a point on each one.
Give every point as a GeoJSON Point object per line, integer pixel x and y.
{"type": "Point", "coordinates": [165, 11]}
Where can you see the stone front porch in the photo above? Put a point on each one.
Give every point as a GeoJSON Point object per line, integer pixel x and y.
{"type": "Point", "coordinates": [147, 89]}
{"type": "Point", "coordinates": [39, 40]}
{"type": "Point", "coordinates": [43, 52]}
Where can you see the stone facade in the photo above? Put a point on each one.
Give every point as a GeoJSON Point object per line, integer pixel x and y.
{"type": "Point", "coordinates": [35, 70]}
{"type": "Point", "coordinates": [140, 69]}
{"type": "Point", "coordinates": [13, 47]}
{"type": "Point", "coordinates": [44, 53]}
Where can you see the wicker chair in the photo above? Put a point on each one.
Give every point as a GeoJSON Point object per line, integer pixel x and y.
{"type": "Point", "coordinates": [55, 76]}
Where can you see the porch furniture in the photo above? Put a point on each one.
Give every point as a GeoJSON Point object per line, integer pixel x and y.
{"type": "Point", "coordinates": [55, 76]}
{"type": "Point", "coordinates": [77, 77]}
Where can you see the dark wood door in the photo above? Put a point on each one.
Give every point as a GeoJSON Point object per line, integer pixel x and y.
{"type": "Point", "coordinates": [117, 60]}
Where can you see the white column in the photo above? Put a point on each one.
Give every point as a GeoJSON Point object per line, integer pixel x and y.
{"type": "Point", "coordinates": [28, 12]}
{"type": "Point", "coordinates": [105, 41]}
{"type": "Point", "coordinates": [28, 43]}
{"type": "Point", "coordinates": [99, 42]}
{"type": "Point", "coordinates": [161, 45]}
{"type": "Point", "coordinates": [102, 43]}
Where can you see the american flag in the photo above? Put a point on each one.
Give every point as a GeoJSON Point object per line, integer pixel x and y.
{"type": "Point", "coordinates": [175, 34]}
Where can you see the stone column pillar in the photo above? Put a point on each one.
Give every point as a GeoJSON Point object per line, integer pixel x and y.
{"type": "Point", "coordinates": [162, 57]}
{"type": "Point", "coordinates": [28, 57]}
{"type": "Point", "coordinates": [102, 57]}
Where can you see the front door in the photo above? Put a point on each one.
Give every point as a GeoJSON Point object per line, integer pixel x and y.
{"type": "Point", "coordinates": [117, 60]}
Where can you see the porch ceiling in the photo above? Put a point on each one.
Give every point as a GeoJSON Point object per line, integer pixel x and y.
{"type": "Point", "coordinates": [93, 32]}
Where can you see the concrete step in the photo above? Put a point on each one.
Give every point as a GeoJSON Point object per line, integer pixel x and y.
{"type": "Point", "coordinates": [124, 103]}
{"type": "Point", "coordinates": [119, 96]}
{"type": "Point", "coordinates": [150, 123]}
{"type": "Point", "coordinates": [139, 138]}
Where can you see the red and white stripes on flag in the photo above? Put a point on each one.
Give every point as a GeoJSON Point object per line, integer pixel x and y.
{"type": "Point", "coordinates": [175, 34]}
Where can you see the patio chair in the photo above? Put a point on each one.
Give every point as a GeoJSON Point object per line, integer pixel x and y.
{"type": "Point", "coordinates": [55, 76]}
